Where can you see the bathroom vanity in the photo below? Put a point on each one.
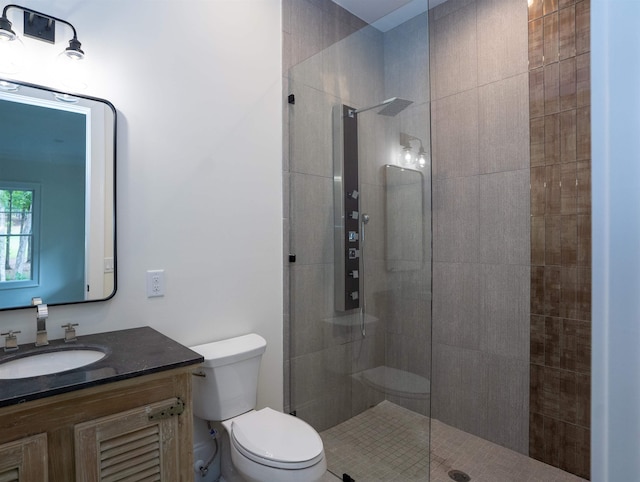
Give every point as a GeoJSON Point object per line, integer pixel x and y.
{"type": "Point", "coordinates": [131, 411]}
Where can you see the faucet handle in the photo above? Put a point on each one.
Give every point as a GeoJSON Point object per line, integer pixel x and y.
{"type": "Point", "coordinates": [11, 340]}
{"type": "Point", "coordinates": [69, 332]}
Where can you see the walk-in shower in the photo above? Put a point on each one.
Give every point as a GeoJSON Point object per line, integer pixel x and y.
{"type": "Point", "coordinates": [474, 193]}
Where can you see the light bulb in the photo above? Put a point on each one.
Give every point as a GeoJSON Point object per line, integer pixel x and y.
{"type": "Point", "coordinates": [422, 156]}
{"type": "Point", "coordinates": [72, 72]}
{"type": "Point", "coordinates": [7, 36]}
{"type": "Point", "coordinates": [12, 55]}
{"type": "Point", "coordinates": [407, 155]}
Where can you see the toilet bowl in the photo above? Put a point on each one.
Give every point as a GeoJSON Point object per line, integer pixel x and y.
{"type": "Point", "coordinates": [257, 445]}
{"type": "Point", "coordinates": [270, 445]}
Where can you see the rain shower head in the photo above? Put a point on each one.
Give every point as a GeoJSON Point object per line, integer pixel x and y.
{"type": "Point", "coordinates": [390, 107]}
{"type": "Point", "coordinates": [394, 107]}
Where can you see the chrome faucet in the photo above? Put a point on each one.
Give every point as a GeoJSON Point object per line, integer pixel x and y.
{"type": "Point", "coordinates": [42, 313]}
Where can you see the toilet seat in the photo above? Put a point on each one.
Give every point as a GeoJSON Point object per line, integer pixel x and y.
{"type": "Point", "coordinates": [277, 440]}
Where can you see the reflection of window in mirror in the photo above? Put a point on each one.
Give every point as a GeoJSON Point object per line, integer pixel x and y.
{"type": "Point", "coordinates": [18, 232]}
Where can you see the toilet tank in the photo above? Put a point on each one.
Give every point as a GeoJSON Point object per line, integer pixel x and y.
{"type": "Point", "coordinates": [229, 387]}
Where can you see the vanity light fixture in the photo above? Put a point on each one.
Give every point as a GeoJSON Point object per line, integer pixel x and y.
{"type": "Point", "coordinates": [407, 157]}
{"type": "Point", "coordinates": [6, 34]}
{"type": "Point", "coordinates": [39, 26]}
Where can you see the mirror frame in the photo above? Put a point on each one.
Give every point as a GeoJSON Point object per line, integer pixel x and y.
{"type": "Point", "coordinates": [114, 200]}
{"type": "Point", "coordinates": [401, 234]}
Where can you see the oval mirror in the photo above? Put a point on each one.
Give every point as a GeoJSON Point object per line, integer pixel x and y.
{"type": "Point", "coordinates": [57, 197]}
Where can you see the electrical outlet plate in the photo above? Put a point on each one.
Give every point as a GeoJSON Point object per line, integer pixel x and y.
{"type": "Point", "coordinates": [155, 283]}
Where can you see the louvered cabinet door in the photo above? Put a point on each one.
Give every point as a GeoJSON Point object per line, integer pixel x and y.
{"type": "Point", "coordinates": [128, 446]}
{"type": "Point", "coordinates": [24, 460]}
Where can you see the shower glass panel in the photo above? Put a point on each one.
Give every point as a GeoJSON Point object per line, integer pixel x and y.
{"type": "Point", "coordinates": [359, 373]}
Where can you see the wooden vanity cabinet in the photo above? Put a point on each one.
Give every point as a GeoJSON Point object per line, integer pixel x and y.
{"type": "Point", "coordinates": [24, 459]}
{"type": "Point", "coordinates": [103, 432]}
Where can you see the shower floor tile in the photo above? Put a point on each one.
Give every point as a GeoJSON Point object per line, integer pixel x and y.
{"type": "Point", "coordinates": [384, 443]}
{"type": "Point", "coordinates": [389, 443]}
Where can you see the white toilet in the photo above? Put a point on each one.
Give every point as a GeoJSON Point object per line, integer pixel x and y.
{"type": "Point", "coordinates": [264, 445]}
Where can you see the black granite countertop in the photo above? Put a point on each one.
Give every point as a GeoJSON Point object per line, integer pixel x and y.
{"type": "Point", "coordinates": [130, 353]}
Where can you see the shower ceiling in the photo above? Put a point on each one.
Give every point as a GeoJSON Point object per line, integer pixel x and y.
{"type": "Point", "coordinates": [387, 14]}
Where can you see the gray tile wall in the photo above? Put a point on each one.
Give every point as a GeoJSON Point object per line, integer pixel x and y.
{"type": "Point", "coordinates": [408, 327]}
{"type": "Point", "coordinates": [481, 218]}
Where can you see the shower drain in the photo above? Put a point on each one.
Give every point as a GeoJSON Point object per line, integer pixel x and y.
{"type": "Point", "coordinates": [458, 476]}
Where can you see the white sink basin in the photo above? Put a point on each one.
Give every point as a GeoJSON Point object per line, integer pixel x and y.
{"type": "Point", "coordinates": [47, 363]}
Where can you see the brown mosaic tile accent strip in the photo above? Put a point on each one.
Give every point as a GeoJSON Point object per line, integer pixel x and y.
{"type": "Point", "coordinates": [560, 129]}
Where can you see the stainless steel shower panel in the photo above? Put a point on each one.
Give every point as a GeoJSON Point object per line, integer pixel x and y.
{"type": "Point", "coordinates": [346, 209]}
{"type": "Point", "coordinates": [348, 262]}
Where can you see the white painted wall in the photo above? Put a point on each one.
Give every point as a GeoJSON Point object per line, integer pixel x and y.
{"type": "Point", "coordinates": [198, 90]}
{"type": "Point", "coordinates": [615, 95]}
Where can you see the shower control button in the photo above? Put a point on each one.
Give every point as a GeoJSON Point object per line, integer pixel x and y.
{"type": "Point", "coordinates": [354, 194]}
{"type": "Point", "coordinates": [354, 253]}
{"type": "Point", "coordinates": [354, 274]}
{"type": "Point", "coordinates": [354, 295]}
{"type": "Point", "coordinates": [355, 215]}
{"type": "Point", "coordinates": [353, 236]}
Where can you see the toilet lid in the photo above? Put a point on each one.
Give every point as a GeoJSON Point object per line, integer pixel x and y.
{"type": "Point", "coordinates": [276, 439]}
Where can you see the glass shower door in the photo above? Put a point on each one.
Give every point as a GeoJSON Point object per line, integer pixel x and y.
{"type": "Point", "coordinates": [359, 371]}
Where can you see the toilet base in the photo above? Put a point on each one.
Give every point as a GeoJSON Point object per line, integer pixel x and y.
{"type": "Point", "coordinates": [227, 469]}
